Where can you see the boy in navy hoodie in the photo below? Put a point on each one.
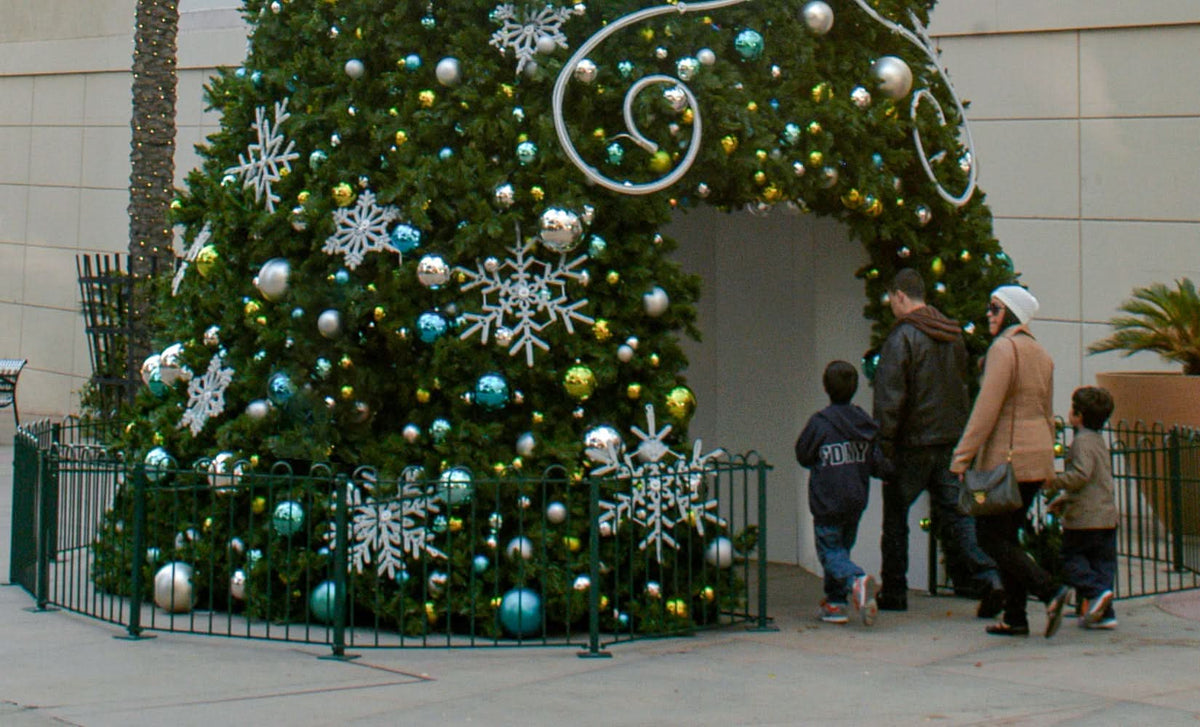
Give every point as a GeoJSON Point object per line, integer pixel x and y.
{"type": "Point", "coordinates": [838, 446]}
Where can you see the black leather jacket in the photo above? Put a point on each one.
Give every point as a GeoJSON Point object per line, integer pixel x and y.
{"type": "Point", "coordinates": [921, 396]}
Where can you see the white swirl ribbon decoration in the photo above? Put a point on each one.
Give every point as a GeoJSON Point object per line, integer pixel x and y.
{"type": "Point", "coordinates": [922, 40]}
{"type": "Point", "coordinates": [564, 77]}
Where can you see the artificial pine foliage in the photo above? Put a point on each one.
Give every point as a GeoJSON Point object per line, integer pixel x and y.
{"type": "Point", "coordinates": [458, 294]}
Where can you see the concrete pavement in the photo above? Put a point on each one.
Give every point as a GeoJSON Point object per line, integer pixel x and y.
{"type": "Point", "coordinates": [932, 664]}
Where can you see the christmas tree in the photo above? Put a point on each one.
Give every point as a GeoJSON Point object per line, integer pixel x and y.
{"type": "Point", "coordinates": [425, 241]}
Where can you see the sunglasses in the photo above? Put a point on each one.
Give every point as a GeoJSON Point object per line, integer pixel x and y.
{"type": "Point", "coordinates": [995, 309]}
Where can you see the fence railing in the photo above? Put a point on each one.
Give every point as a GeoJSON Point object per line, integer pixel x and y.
{"type": "Point", "coordinates": [356, 560]}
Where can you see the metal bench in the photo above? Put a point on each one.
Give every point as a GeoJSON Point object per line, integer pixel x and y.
{"type": "Point", "coordinates": [10, 369]}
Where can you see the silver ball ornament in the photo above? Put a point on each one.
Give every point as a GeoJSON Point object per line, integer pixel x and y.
{"type": "Point", "coordinates": [354, 68]}
{"type": "Point", "coordinates": [432, 271]}
{"type": "Point", "coordinates": [924, 215]}
{"type": "Point", "coordinates": [585, 71]}
{"type": "Point", "coordinates": [719, 553]}
{"type": "Point", "coordinates": [526, 444]}
{"type": "Point", "coordinates": [894, 77]}
{"type": "Point", "coordinates": [448, 72]}
{"type": "Point", "coordinates": [272, 279]}
{"type": "Point", "coordinates": [561, 229]}
{"type": "Point", "coordinates": [818, 16]}
{"type": "Point", "coordinates": [504, 196]}
{"type": "Point", "coordinates": [655, 302]}
{"type": "Point", "coordinates": [556, 512]}
{"type": "Point", "coordinates": [411, 433]}
{"type": "Point", "coordinates": [546, 44]}
{"type": "Point", "coordinates": [706, 56]}
{"type": "Point", "coordinates": [603, 444]}
{"type": "Point", "coordinates": [687, 68]}
{"type": "Point", "coordinates": [329, 323]}
{"type": "Point", "coordinates": [173, 591]}
{"type": "Point", "coordinates": [861, 97]}
{"type": "Point", "coordinates": [519, 547]}
{"type": "Point", "coordinates": [258, 409]}
{"type": "Point", "coordinates": [170, 369]}
{"type": "Point", "coordinates": [237, 584]}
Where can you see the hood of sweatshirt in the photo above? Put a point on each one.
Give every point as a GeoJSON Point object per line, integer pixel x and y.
{"type": "Point", "coordinates": [849, 421]}
{"type": "Point", "coordinates": [933, 323]}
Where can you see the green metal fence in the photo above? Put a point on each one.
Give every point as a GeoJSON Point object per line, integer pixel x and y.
{"type": "Point", "coordinates": [356, 560]}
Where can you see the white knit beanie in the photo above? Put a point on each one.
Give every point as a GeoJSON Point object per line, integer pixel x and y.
{"type": "Point", "coordinates": [1018, 300]}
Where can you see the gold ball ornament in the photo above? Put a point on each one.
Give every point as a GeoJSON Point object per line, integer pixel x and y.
{"type": "Point", "coordinates": [1059, 449]}
{"type": "Point", "coordinates": [752, 106]}
{"type": "Point", "coordinates": [613, 277]}
{"type": "Point", "coordinates": [937, 267]}
{"type": "Point", "coordinates": [573, 543]}
{"type": "Point", "coordinates": [660, 162]}
{"type": "Point", "coordinates": [814, 128]}
{"type": "Point", "coordinates": [303, 196]}
{"type": "Point", "coordinates": [688, 116]}
{"type": "Point", "coordinates": [729, 143]}
{"type": "Point", "coordinates": [873, 274]}
{"type": "Point", "coordinates": [258, 505]}
{"type": "Point", "coordinates": [822, 92]}
{"type": "Point", "coordinates": [347, 392]}
{"type": "Point", "coordinates": [206, 260]}
{"type": "Point", "coordinates": [343, 195]}
{"type": "Point", "coordinates": [852, 199]}
{"type": "Point", "coordinates": [634, 391]}
{"type": "Point", "coordinates": [681, 403]}
{"type": "Point", "coordinates": [537, 193]}
{"type": "Point", "coordinates": [965, 256]}
{"type": "Point", "coordinates": [654, 360]}
{"type": "Point", "coordinates": [772, 193]}
{"type": "Point", "coordinates": [579, 382]}
{"type": "Point", "coordinates": [815, 159]}
{"type": "Point", "coordinates": [252, 307]}
{"type": "Point", "coordinates": [380, 313]}
{"type": "Point", "coordinates": [422, 396]}
{"type": "Point", "coordinates": [760, 178]}
{"type": "Point", "coordinates": [426, 98]}
{"type": "Point", "coordinates": [537, 417]}
{"type": "Point", "coordinates": [401, 137]}
{"type": "Point", "coordinates": [872, 206]}
{"type": "Point", "coordinates": [708, 593]}
{"type": "Point", "coordinates": [677, 607]}
{"type": "Point", "coordinates": [601, 331]}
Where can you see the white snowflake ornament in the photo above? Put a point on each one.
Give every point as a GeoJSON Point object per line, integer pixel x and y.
{"type": "Point", "coordinates": [537, 31]}
{"type": "Point", "coordinates": [385, 530]}
{"type": "Point", "coordinates": [206, 396]}
{"type": "Point", "coordinates": [666, 488]}
{"type": "Point", "coordinates": [522, 303]}
{"type": "Point", "coordinates": [190, 256]}
{"type": "Point", "coordinates": [267, 160]}
{"type": "Point", "coordinates": [361, 229]}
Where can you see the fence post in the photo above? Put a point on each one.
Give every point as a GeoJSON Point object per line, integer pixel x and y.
{"type": "Point", "coordinates": [46, 516]}
{"type": "Point", "coordinates": [138, 556]}
{"type": "Point", "coordinates": [593, 649]}
{"type": "Point", "coordinates": [763, 621]}
{"type": "Point", "coordinates": [341, 519]}
{"type": "Point", "coordinates": [1176, 494]}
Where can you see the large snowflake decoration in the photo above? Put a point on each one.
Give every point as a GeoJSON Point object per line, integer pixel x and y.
{"type": "Point", "coordinates": [383, 531]}
{"type": "Point", "coordinates": [190, 256]}
{"type": "Point", "coordinates": [361, 229]}
{"type": "Point", "coordinates": [666, 487]}
{"type": "Point", "coordinates": [267, 160]}
{"type": "Point", "coordinates": [206, 396]}
{"type": "Point", "coordinates": [526, 301]}
{"type": "Point", "coordinates": [536, 27]}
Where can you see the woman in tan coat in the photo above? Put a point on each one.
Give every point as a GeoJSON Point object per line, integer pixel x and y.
{"type": "Point", "coordinates": [1015, 400]}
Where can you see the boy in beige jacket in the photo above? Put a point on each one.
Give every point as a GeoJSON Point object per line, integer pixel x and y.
{"type": "Point", "coordinates": [1088, 509]}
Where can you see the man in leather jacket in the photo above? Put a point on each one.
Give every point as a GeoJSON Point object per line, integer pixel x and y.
{"type": "Point", "coordinates": [922, 404]}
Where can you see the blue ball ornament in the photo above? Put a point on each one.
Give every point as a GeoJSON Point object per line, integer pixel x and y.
{"type": "Point", "coordinates": [406, 238]}
{"type": "Point", "coordinates": [521, 612]}
{"type": "Point", "coordinates": [625, 68]}
{"type": "Point", "coordinates": [341, 277]}
{"type": "Point", "coordinates": [430, 326]}
{"type": "Point", "coordinates": [616, 154]}
{"type": "Point", "coordinates": [445, 153]}
{"type": "Point", "coordinates": [491, 392]}
{"type": "Point", "coordinates": [280, 388]}
{"type": "Point", "coordinates": [597, 245]}
{"type": "Point", "coordinates": [288, 518]}
{"type": "Point", "coordinates": [792, 134]}
{"type": "Point", "coordinates": [412, 62]}
{"type": "Point", "coordinates": [322, 602]}
{"type": "Point", "coordinates": [749, 44]}
{"type": "Point", "coordinates": [481, 563]}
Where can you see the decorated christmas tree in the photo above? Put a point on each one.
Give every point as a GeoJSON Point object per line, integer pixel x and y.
{"type": "Point", "coordinates": [425, 241]}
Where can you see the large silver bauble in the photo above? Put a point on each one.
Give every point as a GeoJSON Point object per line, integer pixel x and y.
{"type": "Point", "coordinates": [561, 229]}
{"type": "Point", "coordinates": [504, 195]}
{"type": "Point", "coordinates": [170, 368]}
{"type": "Point", "coordinates": [585, 71]}
{"type": "Point", "coordinates": [354, 68]}
{"type": "Point", "coordinates": [676, 98]}
{"type": "Point", "coordinates": [258, 409]}
{"type": "Point", "coordinates": [519, 547]}
{"type": "Point", "coordinates": [150, 368]}
{"type": "Point", "coordinates": [173, 591]}
{"type": "Point", "coordinates": [432, 271]}
{"type": "Point", "coordinates": [656, 302]}
{"type": "Point", "coordinates": [894, 77]}
{"type": "Point", "coordinates": [272, 280]}
{"type": "Point", "coordinates": [329, 323]}
{"type": "Point", "coordinates": [818, 16]}
{"type": "Point", "coordinates": [556, 512]}
{"type": "Point", "coordinates": [526, 444]}
{"type": "Point", "coordinates": [603, 444]}
{"type": "Point", "coordinates": [448, 72]}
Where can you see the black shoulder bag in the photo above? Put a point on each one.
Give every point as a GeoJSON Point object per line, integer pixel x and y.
{"type": "Point", "coordinates": [994, 491]}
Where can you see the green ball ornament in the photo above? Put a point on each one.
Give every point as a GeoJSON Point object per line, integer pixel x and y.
{"type": "Point", "coordinates": [322, 602]}
{"type": "Point", "coordinates": [521, 612]}
{"type": "Point", "coordinates": [749, 44]}
{"type": "Point", "coordinates": [579, 382]}
{"type": "Point", "coordinates": [206, 260]}
{"type": "Point", "coordinates": [288, 518]}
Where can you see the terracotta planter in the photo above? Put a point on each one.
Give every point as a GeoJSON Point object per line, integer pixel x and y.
{"type": "Point", "coordinates": [1146, 401]}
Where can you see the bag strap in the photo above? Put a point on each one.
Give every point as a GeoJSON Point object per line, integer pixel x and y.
{"type": "Point", "coordinates": [1012, 386]}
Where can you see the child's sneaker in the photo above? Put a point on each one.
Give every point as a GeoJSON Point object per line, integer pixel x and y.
{"type": "Point", "coordinates": [832, 613]}
{"type": "Point", "coordinates": [1107, 623]}
{"type": "Point", "coordinates": [1095, 608]}
{"type": "Point", "coordinates": [863, 593]}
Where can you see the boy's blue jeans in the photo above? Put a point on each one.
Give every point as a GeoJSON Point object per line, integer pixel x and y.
{"type": "Point", "coordinates": [834, 541]}
{"type": "Point", "coordinates": [1090, 560]}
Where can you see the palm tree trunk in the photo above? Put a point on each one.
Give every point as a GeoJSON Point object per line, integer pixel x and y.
{"type": "Point", "coordinates": [152, 157]}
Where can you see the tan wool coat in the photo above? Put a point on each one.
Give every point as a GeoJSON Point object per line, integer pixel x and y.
{"type": "Point", "coordinates": [984, 442]}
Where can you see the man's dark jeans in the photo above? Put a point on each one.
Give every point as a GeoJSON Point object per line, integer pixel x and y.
{"type": "Point", "coordinates": [919, 469]}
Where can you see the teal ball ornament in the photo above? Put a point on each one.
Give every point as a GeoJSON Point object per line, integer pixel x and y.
{"type": "Point", "coordinates": [481, 564]}
{"type": "Point", "coordinates": [280, 388]}
{"type": "Point", "coordinates": [406, 238]}
{"type": "Point", "coordinates": [749, 44]}
{"type": "Point", "coordinates": [288, 518]}
{"type": "Point", "coordinates": [521, 612]}
{"type": "Point", "coordinates": [456, 486]}
{"type": "Point", "coordinates": [526, 152]}
{"type": "Point", "coordinates": [439, 430]}
{"type": "Point", "coordinates": [492, 392]}
{"type": "Point", "coordinates": [430, 326]}
{"type": "Point", "coordinates": [322, 602]}
{"type": "Point", "coordinates": [157, 386]}
{"type": "Point", "coordinates": [616, 154]}
{"type": "Point", "coordinates": [412, 62]}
